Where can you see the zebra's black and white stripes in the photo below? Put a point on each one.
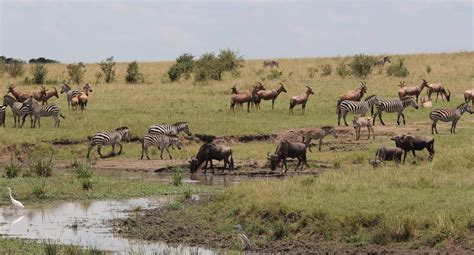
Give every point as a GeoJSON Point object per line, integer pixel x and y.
{"type": "Point", "coordinates": [170, 129]}
{"type": "Point", "coordinates": [449, 115]}
{"type": "Point", "coordinates": [355, 107]}
{"type": "Point", "coordinates": [163, 142]}
{"type": "Point", "coordinates": [39, 111]}
{"type": "Point", "coordinates": [109, 138]}
{"type": "Point", "coordinates": [391, 106]}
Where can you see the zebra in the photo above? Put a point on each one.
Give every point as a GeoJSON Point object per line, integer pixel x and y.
{"type": "Point", "coordinates": [355, 107]}
{"type": "Point", "coordinates": [39, 111]}
{"type": "Point", "coordinates": [19, 110]}
{"type": "Point", "coordinates": [70, 93]}
{"type": "Point", "coordinates": [109, 138]}
{"type": "Point", "coordinates": [163, 142]}
{"type": "Point", "coordinates": [170, 129]}
{"type": "Point", "coordinates": [449, 115]}
{"type": "Point", "coordinates": [2, 115]}
{"type": "Point", "coordinates": [391, 106]}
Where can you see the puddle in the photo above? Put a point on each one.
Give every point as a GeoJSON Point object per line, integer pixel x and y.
{"type": "Point", "coordinates": [83, 224]}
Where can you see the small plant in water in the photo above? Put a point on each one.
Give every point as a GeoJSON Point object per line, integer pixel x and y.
{"type": "Point", "coordinates": [177, 177]}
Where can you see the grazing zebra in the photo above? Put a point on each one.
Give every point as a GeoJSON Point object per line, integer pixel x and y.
{"type": "Point", "coordinates": [2, 115]}
{"type": "Point", "coordinates": [448, 115]}
{"type": "Point", "coordinates": [18, 109]}
{"type": "Point", "coordinates": [109, 138]}
{"type": "Point", "coordinates": [70, 93]}
{"type": "Point", "coordinates": [391, 106]}
{"type": "Point", "coordinates": [163, 142]}
{"type": "Point", "coordinates": [39, 111]}
{"type": "Point", "coordinates": [170, 129]}
{"type": "Point", "coordinates": [355, 107]}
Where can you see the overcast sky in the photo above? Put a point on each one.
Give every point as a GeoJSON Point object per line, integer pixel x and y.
{"type": "Point", "coordinates": [89, 31]}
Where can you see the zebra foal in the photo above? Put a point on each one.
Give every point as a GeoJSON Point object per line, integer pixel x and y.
{"type": "Point", "coordinates": [174, 129]}
{"type": "Point", "coordinates": [109, 138]}
{"type": "Point", "coordinates": [391, 106]}
{"type": "Point", "coordinates": [162, 142]}
{"type": "Point", "coordinates": [449, 115]}
{"type": "Point", "coordinates": [355, 107]}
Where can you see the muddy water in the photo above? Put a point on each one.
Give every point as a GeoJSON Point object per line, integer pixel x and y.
{"type": "Point", "coordinates": [83, 223]}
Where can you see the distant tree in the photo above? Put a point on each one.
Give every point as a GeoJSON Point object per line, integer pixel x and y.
{"type": "Point", "coordinates": [133, 73]}
{"type": "Point", "coordinates": [108, 69]}
{"type": "Point", "coordinates": [76, 72]}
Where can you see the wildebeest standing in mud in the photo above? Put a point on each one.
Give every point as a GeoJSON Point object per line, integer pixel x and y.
{"type": "Point", "coordinates": [411, 143]}
{"type": "Point", "coordinates": [287, 149]}
{"type": "Point", "coordinates": [210, 151]}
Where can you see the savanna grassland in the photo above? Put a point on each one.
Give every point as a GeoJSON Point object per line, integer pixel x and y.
{"type": "Point", "coordinates": [416, 205]}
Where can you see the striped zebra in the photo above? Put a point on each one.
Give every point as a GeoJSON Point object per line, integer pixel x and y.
{"type": "Point", "coordinates": [70, 93]}
{"type": "Point", "coordinates": [109, 138]}
{"type": "Point", "coordinates": [3, 109]}
{"type": "Point", "coordinates": [39, 111]}
{"type": "Point", "coordinates": [170, 129]}
{"type": "Point", "coordinates": [355, 107]}
{"type": "Point", "coordinates": [162, 142]}
{"type": "Point", "coordinates": [391, 106]}
{"type": "Point", "coordinates": [449, 115]}
{"type": "Point", "coordinates": [18, 109]}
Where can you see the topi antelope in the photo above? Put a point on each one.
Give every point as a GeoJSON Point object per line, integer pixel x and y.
{"type": "Point", "coordinates": [301, 99]}
{"type": "Point", "coordinates": [269, 95]}
{"type": "Point", "coordinates": [438, 88]}
{"type": "Point", "coordinates": [411, 90]}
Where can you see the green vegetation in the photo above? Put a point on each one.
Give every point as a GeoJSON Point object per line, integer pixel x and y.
{"type": "Point", "coordinates": [398, 69]}
{"type": "Point", "coordinates": [20, 246]}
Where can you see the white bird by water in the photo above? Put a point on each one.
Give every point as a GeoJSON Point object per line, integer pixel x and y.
{"type": "Point", "coordinates": [17, 204]}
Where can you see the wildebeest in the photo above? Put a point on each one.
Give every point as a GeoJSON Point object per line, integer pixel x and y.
{"type": "Point", "coordinates": [438, 88]}
{"type": "Point", "coordinates": [469, 96]}
{"type": "Point", "coordinates": [405, 91]}
{"type": "Point", "coordinates": [319, 134]}
{"type": "Point", "coordinates": [411, 143]}
{"type": "Point", "coordinates": [270, 63]}
{"type": "Point", "coordinates": [287, 149]}
{"type": "Point", "coordinates": [387, 154]}
{"type": "Point", "coordinates": [210, 151]}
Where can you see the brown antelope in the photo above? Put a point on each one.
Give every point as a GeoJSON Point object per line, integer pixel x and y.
{"type": "Point", "coordinates": [243, 98]}
{"type": "Point", "coordinates": [411, 90]}
{"type": "Point", "coordinates": [353, 95]}
{"type": "Point", "coordinates": [20, 96]}
{"type": "Point", "coordinates": [269, 94]}
{"type": "Point", "coordinates": [469, 96]}
{"type": "Point", "coordinates": [301, 99]}
{"type": "Point", "coordinates": [48, 94]}
{"type": "Point", "coordinates": [438, 89]}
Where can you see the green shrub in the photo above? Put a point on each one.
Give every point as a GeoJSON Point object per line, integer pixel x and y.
{"type": "Point", "coordinates": [183, 67]}
{"type": "Point", "coordinates": [39, 72]}
{"type": "Point", "coordinates": [133, 73]}
{"type": "Point", "coordinates": [43, 168]}
{"type": "Point", "coordinates": [428, 69]}
{"type": "Point", "coordinates": [326, 69]}
{"type": "Point", "coordinates": [12, 170]}
{"type": "Point", "coordinates": [83, 170]}
{"type": "Point", "coordinates": [107, 67]}
{"type": "Point", "coordinates": [177, 177]}
{"type": "Point", "coordinates": [343, 70]}
{"type": "Point", "coordinates": [397, 69]}
{"type": "Point", "coordinates": [76, 72]}
{"type": "Point", "coordinates": [15, 67]}
{"type": "Point", "coordinates": [361, 65]}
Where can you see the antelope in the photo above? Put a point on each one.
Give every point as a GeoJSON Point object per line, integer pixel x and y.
{"type": "Point", "coordinates": [411, 90]}
{"type": "Point", "coordinates": [353, 95]}
{"type": "Point", "coordinates": [301, 99]}
{"type": "Point", "coordinates": [20, 96]}
{"type": "Point", "coordinates": [469, 96]}
{"type": "Point", "coordinates": [438, 89]}
{"type": "Point", "coordinates": [243, 98]}
{"type": "Point", "coordinates": [269, 94]}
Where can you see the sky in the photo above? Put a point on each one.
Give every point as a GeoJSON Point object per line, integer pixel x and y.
{"type": "Point", "coordinates": [89, 31]}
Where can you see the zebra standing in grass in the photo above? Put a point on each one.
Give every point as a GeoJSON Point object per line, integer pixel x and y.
{"type": "Point", "coordinates": [3, 109]}
{"type": "Point", "coordinates": [355, 107]}
{"type": "Point", "coordinates": [449, 115]}
{"type": "Point", "coordinates": [70, 93]}
{"type": "Point", "coordinates": [18, 109]}
{"type": "Point", "coordinates": [109, 138]}
{"type": "Point", "coordinates": [391, 106]}
{"type": "Point", "coordinates": [163, 142]}
{"type": "Point", "coordinates": [39, 111]}
{"type": "Point", "coordinates": [170, 129]}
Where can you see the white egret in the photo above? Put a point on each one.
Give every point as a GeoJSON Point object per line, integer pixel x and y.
{"type": "Point", "coordinates": [17, 204]}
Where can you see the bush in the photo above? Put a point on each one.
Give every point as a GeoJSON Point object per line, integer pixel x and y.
{"type": "Point", "coordinates": [343, 70]}
{"type": "Point", "coordinates": [428, 69]}
{"type": "Point", "coordinates": [107, 67]}
{"type": "Point", "coordinates": [15, 67]}
{"type": "Point", "coordinates": [76, 72]}
{"type": "Point", "coordinates": [183, 67]}
{"type": "Point", "coordinates": [133, 73]}
{"type": "Point", "coordinates": [311, 72]}
{"type": "Point", "coordinates": [361, 65]}
{"type": "Point", "coordinates": [83, 170]}
{"type": "Point", "coordinates": [39, 72]}
{"type": "Point", "coordinates": [397, 69]}
{"type": "Point", "coordinates": [12, 170]}
{"type": "Point", "coordinates": [177, 177]}
{"type": "Point", "coordinates": [43, 168]}
{"type": "Point", "coordinates": [326, 70]}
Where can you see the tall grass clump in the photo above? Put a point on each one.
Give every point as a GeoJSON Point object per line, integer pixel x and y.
{"type": "Point", "coordinates": [76, 72]}
{"type": "Point", "coordinates": [12, 170]}
{"type": "Point", "coordinates": [361, 65]}
{"type": "Point", "coordinates": [397, 69]}
{"type": "Point", "coordinates": [39, 72]}
{"type": "Point", "coordinates": [182, 68]}
{"type": "Point", "coordinates": [41, 167]}
{"type": "Point", "coordinates": [133, 73]}
{"type": "Point", "coordinates": [108, 69]}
